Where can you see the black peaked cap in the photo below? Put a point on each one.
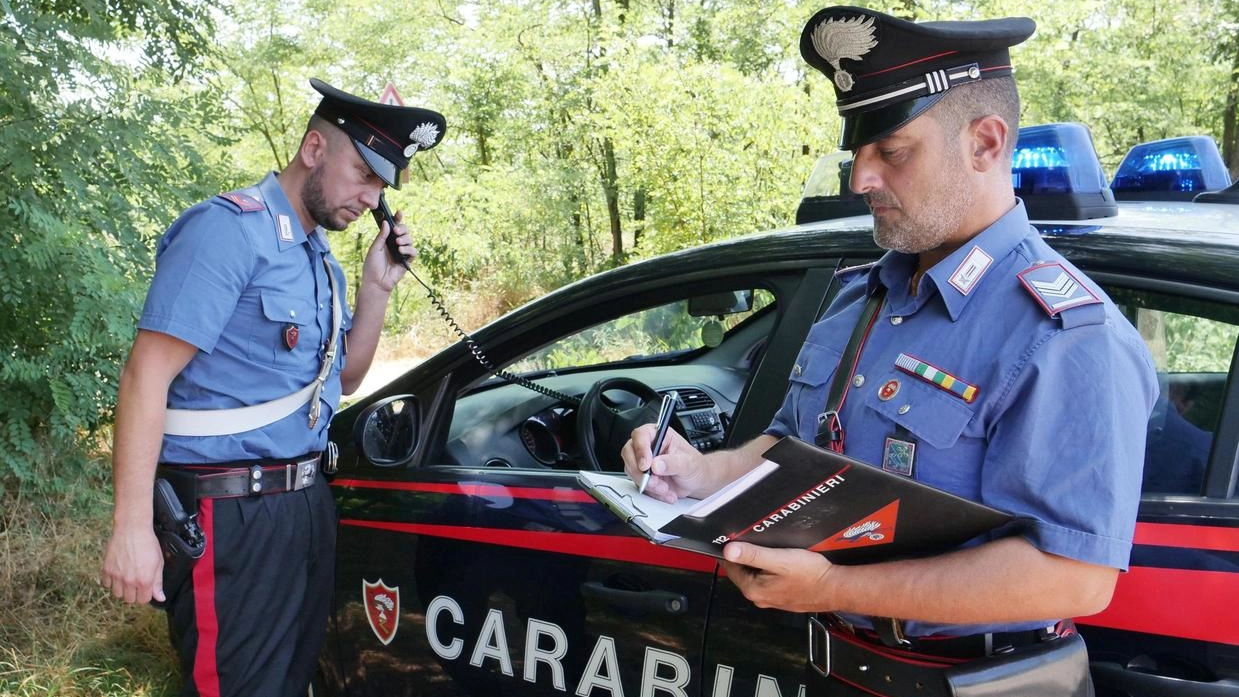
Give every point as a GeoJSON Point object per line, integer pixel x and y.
{"type": "Point", "coordinates": [887, 71]}
{"type": "Point", "coordinates": [385, 135]}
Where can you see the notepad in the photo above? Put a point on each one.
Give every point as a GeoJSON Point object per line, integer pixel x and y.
{"type": "Point", "coordinates": [806, 497]}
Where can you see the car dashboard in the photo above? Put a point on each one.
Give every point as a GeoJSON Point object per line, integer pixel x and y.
{"type": "Point", "coordinates": [507, 425]}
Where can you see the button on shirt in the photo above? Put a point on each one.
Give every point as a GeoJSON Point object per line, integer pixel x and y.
{"type": "Point", "coordinates": [1056, 430]}
{"type": "Point", "coordinates": [230, 282]}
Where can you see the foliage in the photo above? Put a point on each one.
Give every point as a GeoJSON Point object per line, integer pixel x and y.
{"type": "Point", "coordinates": [90, 160]}
{"type": "Point", "coordinates": [582, 134]}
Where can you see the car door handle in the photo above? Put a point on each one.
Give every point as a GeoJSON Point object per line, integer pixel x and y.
{"type": "Point", "coordinates": [645, 601]}
{"type": "Point", "coordinates": [1140, 684]}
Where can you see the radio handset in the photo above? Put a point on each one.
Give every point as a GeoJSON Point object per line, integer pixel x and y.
{"type": "Point", "coordinates": [383, 213]}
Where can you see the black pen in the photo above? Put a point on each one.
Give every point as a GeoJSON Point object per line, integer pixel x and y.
{"type": "Point", "coordinates": [665, 410]}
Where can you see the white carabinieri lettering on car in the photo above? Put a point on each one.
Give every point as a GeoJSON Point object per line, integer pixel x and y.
{"type": "Point", "coordinates": [663, 672]}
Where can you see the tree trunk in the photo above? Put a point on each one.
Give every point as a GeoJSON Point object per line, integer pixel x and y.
{"type": "Point", "coordinates": [1230, 116]}
{"type": "Point", "coordinates": [638, 217]}
{"type": "Point", "coordinates": [610, 185]}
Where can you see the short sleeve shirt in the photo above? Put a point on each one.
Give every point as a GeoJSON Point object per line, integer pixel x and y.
{"type": "Point", "coordinates": [238, 278]}
{"type": "Point", "coordinates": [1053, 428]}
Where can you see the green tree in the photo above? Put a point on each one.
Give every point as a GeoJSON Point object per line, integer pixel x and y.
{"type": "Point", "coordinates": [94, 158]}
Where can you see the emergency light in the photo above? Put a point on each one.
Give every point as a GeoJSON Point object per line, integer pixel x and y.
{"type": "Point", "coordinates": [1055, 171]}
{"type": "Point", "coordinates": [1174, 169]}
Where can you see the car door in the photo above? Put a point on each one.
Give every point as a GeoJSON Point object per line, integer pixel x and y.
{"type": "Point", "coordinates": [1172, 627]}
{"type": "Point", "coordinates": [466, 569]}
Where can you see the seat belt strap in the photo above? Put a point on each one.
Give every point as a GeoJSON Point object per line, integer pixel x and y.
{"type": "Point", "coordinates": [829, 428]}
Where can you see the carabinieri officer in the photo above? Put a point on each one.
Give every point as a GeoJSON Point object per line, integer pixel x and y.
{"type": "Point", "coordinates": [971, 357]}
{"type": "Point", "coordinates": [244, 346]}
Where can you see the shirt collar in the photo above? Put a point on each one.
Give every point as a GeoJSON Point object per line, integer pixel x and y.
{"type": "Point", "coordinates": [958, 277]}
{"type": "Point", "coordinates": [280, 207]}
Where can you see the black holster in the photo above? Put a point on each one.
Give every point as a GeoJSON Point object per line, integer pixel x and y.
{"type": "Point", "coordinates": [180, 537]}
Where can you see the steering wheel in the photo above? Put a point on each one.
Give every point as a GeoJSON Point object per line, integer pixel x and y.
{"type": "Point", "coordinates": [602, 429]}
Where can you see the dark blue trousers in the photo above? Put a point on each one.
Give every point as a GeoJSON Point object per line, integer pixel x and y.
{"type": "Point", "coordinates": [249, 618]}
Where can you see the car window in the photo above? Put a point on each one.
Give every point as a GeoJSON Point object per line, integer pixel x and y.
{"type": "Point", "coordinates": [1192, 343]}
{"type": "Point", "coordinates": [652, 332]}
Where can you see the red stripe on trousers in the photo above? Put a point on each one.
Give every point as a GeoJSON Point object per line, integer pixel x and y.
{"type": "Point", "coordinates": [206, 673]}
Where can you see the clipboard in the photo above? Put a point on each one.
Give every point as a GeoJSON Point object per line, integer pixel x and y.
{"type": "Point", "coordinates": [803, 496]}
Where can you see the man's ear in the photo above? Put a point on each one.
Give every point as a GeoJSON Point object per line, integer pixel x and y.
{"type": "Point", "coordinates": [988, 136]}
{"type": "Point", "coordinates": [313, 148]}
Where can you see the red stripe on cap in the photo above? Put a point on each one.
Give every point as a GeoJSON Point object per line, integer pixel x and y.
{"type": "Point", "coordinates": [377, 130]}
{"type": "Point", "coordinates": [206, 672]}
{"type": "Point", "coordinates": [1174, 602]}
{"type": "Point", "coordinates": [904, 65]}
{"type": "Point", "coordinates": [630, 549]}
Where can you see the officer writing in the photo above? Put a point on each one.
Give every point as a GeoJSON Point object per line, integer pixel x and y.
{"type": "Point", "coordinates": [244, 347]}
{"type": "Point", "coordinates": [971, 357]}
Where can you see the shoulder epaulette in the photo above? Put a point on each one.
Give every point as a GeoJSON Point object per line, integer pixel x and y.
{"type": "Point", "coordinates": [244, 202]}
{"type": "Point", "coordinates": [849, 272]}
{"type": "Point", "coordinates": [1057, 290]}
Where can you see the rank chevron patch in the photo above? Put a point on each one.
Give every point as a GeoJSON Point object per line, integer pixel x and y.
{"type": "Point", "coordinates": [1055, 288]}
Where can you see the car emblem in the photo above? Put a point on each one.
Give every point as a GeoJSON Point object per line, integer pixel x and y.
{"type": "Point", "coordinates": [382, 608]}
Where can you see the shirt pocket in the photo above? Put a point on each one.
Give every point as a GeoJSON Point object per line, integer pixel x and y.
{"type": "Point", "coordinates": [809, 386]}
{"type": "Point", "coordinates": [283, 316]}
{"type": "Point", "coordinates": [930, 414]}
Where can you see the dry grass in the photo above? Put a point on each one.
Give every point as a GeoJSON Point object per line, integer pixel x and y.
{"type": "Point", "coordinates": [60, 633]}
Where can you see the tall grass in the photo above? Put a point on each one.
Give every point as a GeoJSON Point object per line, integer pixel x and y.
{"type": "Point", "coordinates": [60, 632]}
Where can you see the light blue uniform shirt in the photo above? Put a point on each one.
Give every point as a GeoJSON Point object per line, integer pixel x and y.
{"type": "Point", "coordinates": [230, 281]}
{"type": "Point", "coordinates": [1056, 431]}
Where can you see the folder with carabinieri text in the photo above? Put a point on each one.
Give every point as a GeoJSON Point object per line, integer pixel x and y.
{"type": "Point", "coordinates": [806, 497]}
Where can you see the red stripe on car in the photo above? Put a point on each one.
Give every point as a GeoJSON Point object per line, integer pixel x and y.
{"type": "Point", "coordinates": [466, 489]}
{"type": "Point", "coordinates": [1190, 536]}
{"type": "Point", "coordinates": [1153, 600]}
{"type": "Point", "coordinates": [613, 547]}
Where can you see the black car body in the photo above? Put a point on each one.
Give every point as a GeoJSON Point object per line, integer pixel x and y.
{"type": "Point", "coordinates": [471, 562]}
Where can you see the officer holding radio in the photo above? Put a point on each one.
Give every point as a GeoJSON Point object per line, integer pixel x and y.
{"type": "Point", "coordinates": [243, 349]}
{"type": "Point", "coordinates": [971, 357]}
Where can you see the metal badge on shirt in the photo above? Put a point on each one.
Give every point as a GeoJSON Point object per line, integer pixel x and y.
{"type": "Point", "coordinates": [286, 228]}
{"type": "Point", "coordinates": [899, 453]}
{"type": "Point", "coordinates": [970, 270]}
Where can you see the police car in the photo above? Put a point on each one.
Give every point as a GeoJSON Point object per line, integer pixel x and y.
{"type": "Point", "coordinates": [471, 562]}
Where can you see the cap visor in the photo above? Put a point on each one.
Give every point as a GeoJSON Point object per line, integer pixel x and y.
{"type": "Point", "coordinates": [862, 129]}
{"type": "Point", "coordinates": [380, 165]}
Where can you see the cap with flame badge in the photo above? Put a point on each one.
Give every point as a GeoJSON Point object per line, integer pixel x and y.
{"type": "Point", "coordinates": [385, 135]}
{"type": "Point", "coordinates": [887, 71]}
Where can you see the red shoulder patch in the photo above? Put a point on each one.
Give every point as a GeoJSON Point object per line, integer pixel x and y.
{"type": "Point", "coordinates": [244, 201]}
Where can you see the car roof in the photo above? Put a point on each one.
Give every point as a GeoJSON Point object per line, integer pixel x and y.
{"type": "Point", "coordinates": [1216, 222]}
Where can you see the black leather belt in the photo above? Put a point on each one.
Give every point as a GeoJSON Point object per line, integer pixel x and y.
{"type": "Point", "coordinates": [849, 656]}
{"type": "Point", "coordinates": [221, 481]}
{"type": "Point", "coordinates": [963, 647]}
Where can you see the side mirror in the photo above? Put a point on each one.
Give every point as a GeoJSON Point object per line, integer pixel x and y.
{"type": "Point", "coordinates": [827, 194]}
{"type": "Point", "coordinates": [386, 432]}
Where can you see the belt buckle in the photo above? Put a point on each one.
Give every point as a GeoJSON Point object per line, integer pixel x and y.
{"type": "Point", "coordinates": [305, 471]}
{"type": "Point", "coordinates": [819, 647]}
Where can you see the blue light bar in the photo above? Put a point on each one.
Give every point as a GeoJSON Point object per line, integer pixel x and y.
{"type": "Point", "coordinates": [1055, 171]}
{"type": "Point", "coordinates": [1174, 169]}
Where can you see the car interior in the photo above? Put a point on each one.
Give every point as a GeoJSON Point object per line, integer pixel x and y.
{"type": "Point", "coordinates": [703, 348]}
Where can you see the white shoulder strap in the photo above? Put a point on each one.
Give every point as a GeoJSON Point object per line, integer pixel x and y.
{"type": "Point", "coordinates": [222, 422]}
